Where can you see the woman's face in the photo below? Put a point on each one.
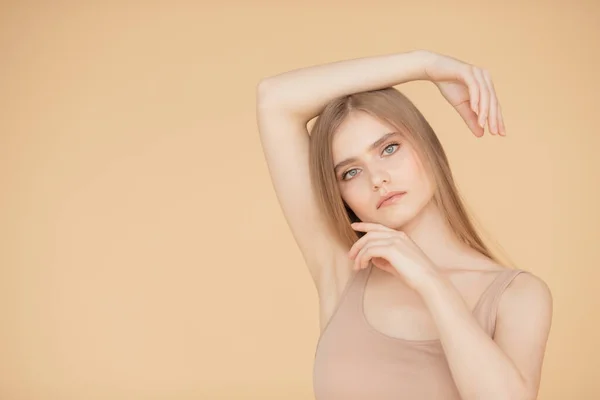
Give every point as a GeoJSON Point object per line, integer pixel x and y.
{"type": "Point", "coordinates": [379, 164]}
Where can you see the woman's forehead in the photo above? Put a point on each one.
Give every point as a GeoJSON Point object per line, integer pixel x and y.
{"type": "Point", "coordinates": [362, 124]}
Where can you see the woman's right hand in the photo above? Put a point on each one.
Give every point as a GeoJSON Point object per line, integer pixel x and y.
{"type": "Point", "coordinates": [469, 89]}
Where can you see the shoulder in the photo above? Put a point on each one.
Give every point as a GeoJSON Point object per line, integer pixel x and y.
{"type": "Point", "coordinates": [527, 295]}
{"type": "Point", "coordinates": [528, 286]}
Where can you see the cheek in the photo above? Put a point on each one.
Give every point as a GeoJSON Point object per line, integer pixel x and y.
{"type": "Point", "coordinates": [411, 176]}
{"type": "Point", "coordinates": [406, 172]}
{"type": "Point", "coordinates": [357, 197]}
{"type": "Point", "coordinates": [354, 195]}
{"type": "Point", "coordinates": [415, 176]}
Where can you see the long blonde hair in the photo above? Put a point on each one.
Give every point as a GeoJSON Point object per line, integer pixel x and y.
{"type": "Point", "coordinates": [393, 107]}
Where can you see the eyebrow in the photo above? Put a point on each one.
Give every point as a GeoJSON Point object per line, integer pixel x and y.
{"type": "Point", "coordinates": [373, 146]}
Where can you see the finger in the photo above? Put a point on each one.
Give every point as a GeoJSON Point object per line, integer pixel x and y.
{"type": "Point", "coordinates": [366, 253]}
{"type": "Point", "coordinates": [502, 126]}
{"type": "Point", "coordinates": [473, 87]}
{"type": "Point", "coordinates": [375, 251]}
{"type": "Point", "coordinates": [365, 257]}
{"type": "Point", "coordinates": [369, 236]}
{"type": "Point", "coordinates": [359, 260]}
{"type": "Point", "coordinates": [484, 97]}
{"type": "Point", "coordinates": [370, 226]}
{"type": "Point", "coordinates": [470, 119]}
{"type": "Point", "coordinates": [493, 112]}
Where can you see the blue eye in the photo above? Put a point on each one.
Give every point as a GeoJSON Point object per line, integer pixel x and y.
{"type": "Point", "coordinates": [390, 145]}
{"type": "Point", "coordinates": [346, 173]}
{"type": "Point", "coordinates": [384, 150]}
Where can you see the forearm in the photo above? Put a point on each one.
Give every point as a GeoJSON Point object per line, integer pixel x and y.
{"type": "Point", "coordinates": [305, 92]}
{"type": "Point", "coordinates": [479, 367]}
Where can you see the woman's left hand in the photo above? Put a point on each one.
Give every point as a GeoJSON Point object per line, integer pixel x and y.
{"type": "Point", "coordinates": [392, 251]}
{"type": "Point", "coordinates": [469, 89]}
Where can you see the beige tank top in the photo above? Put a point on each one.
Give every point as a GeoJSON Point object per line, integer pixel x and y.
{"type": "Point", "coordinates": [355, 361]}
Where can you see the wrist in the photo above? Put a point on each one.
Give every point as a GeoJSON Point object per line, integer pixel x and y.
{"type": "Point", "coordinates": [430, 281]}
{"type": "Point", "coordinates": [423, 59]}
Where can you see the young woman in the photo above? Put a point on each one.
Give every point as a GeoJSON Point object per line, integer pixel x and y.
{"type": "Point", "coordinates": [413, 305]}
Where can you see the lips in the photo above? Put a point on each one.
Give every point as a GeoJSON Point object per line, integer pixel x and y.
{"type": "Point", "coordinates": [388, 197]}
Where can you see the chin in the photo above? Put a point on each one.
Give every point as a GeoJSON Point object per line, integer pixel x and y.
{"type": "Point", "coordinates": [401, 219]}
{"type": "Point", "coordinates": [398, 225]}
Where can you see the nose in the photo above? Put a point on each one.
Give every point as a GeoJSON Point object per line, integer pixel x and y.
{"type": "Point", "coordinates": [379, 180]}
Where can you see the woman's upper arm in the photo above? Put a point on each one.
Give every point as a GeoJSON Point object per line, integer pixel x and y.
{"type": "Point", "coordinates": [523, 326]}
{"type": "Point", "coordinates": [285, 144]}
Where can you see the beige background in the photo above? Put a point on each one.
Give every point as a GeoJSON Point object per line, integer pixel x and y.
{"type": "Point", "coordinates": [143, 252]}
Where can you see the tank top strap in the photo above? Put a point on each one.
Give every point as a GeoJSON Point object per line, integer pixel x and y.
{"type": "Point", "coordinates": [356, 286]}
{"type": "Point", "coordinates": [486, 308]}
{"type": "Point", "coordinates": [348, 303]}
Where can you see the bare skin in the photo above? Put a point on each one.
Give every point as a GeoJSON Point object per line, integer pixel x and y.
{"type": "Point", "coordinates": [435, 280]}
{"type": "Point", "coordinates": [394, 166]}
{"type": "Point", "coordinates": [285, 105]}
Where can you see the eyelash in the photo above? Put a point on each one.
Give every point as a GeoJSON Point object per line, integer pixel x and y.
{"type": "Point", "coordinates": [389, 145]}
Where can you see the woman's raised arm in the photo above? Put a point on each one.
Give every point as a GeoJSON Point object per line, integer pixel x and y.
{"type": "Point", "coordinates": [305, 92]}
